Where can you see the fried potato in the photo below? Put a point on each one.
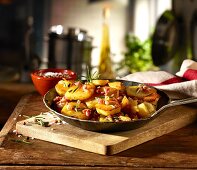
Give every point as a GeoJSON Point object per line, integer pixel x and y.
{"type": "Point", "coordinates": [82, 92]}
{"type": "Point", "coordinates": [125, 118]}
{"type": "Point", "coordinates": [100, 82]}
{"type": "Point", "coordinates": [109, 91]}
{"type": "Point", "coordinates": [107, 110]}
{"type": "Point", "coordinates": [145, 109]}
{"type": "Point", "coordinates": [62, 86]}
{"type": "Point", "coordinates": [125, 102]}
{"type": "Point", "coordinates": [152, 98]}
{"type": "Point", "coordinates": [139, 91]}
{"type": "Point", "coordinates": [91, 103]}
{"type": "Point", "coordinates": [105, 119]}
{"type": "Point", "coordinates": [74, 109]}
{"type": "Point", "coordinates": [105, 101]}
{"type": "Point", "coordinates": [129, 105]}
{"type": "Point", "coordinates": [116, 85]}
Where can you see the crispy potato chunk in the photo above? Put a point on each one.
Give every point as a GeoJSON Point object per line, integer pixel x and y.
{"type": "Point", "coordinates": [107, 110]}
{"type": "Point", "coordinates": [109, 91]}
{"type": "Point", "coordinates": [145, 109]}
{"type": "Point", "coordinates": [91, 103]}
{"type": "Point", "coordinates": [82, 92]}
{"type": "Point", "coordinates": [100, 82]}
{"type": "Point", "coordinates": [129, 105]}
{"type": "Point", "coordinates": [74, 109]}
{"type": "Point", "coordinates": [125, 102]}
{"type": "Point", "coordinates": [153, 98]}
{"type": "Point", "coordinates": [116, 85]}
{"type": "Point", "coordinates": [125, 118]}
{"type": "Point", "coordinates": [62, 86]}
{"type": "Point", "coordinates": [105, 119]}
{"type": "Point", "coordinates": [139, 91]}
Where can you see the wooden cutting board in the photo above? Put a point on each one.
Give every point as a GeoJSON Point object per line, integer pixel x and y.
{"type": "Point", "coordinates": [108, 144]}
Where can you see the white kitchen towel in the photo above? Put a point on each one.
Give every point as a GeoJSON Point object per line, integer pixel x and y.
{"type": "Point", "coordinates": [181, 85]}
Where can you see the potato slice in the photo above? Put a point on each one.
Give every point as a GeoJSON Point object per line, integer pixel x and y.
{"type": "Point", "coordinates": [151, 98]}
{"type": "Point", "coordinates": [62, 86]}
{"type": "Point", "coordinates": [125, 118]}
{"type": "Point", "coordinates": [105, 119]}
{"type": "Point", "coordinates": [145, 109]}
{"type": "Point", "coordinates": [74, 109]}
{"type": "Point", "coordinates": [109, 91]}
{"type": "Point", "coordinates": [82, 92]}
{"type": "Point", "coordinates": [100, 82]}
{"type": "Point", "coordinates": [139, 91]}
{"type": "Point", "coordinates": [125, 102]}
{"type": "Point", "coordinates": [116, 85]}
{"type": "Point", "coordinates": [107, 110]}
{"type": "Point", "coordinates": [91, 103]}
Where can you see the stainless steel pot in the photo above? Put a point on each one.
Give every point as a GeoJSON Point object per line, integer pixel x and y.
{"type": "Point", "coordinates": [71, 50]}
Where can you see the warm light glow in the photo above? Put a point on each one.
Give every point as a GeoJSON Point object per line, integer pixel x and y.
{"type": "Point", "coordinates": [58, 29]}
{"type": "Point", "coordinates": [146, 15]}
{"type": "Point", "coordinates": [80, 36]}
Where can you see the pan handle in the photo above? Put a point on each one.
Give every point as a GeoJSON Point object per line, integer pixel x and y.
{"type": "Point", "coordinates": [177, 103]}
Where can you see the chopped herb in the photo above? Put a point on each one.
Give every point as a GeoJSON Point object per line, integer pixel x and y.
{"type": "Point", "coordinates": [89, 77]}
{"type": "Point", "coordinates": [39, 120]}
{"type": "Point", "coordinates": [73, 90]}
{"type": "Point", "coordinates": [138, 90]}
{"type": "Point", "coordinates": [78, 109]}
{"type": "Point", "coordinates": [42, 123]}
{"type": "Point", "coordinates": [21, 141]}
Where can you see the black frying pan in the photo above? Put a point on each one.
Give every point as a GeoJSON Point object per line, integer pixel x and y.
{"type": "Point", "coordinates": [105, 126]}
{"type": "Point", "coordinates": [165, 40]}
{"type": "Point", "coordinates": [193, 30]}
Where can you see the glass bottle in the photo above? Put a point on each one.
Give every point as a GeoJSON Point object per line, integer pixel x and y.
{"type": "Point", "coordinates": [105, 64]}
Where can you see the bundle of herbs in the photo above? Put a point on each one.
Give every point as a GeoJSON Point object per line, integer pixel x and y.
{"type": "Point", "coordinates": [138, 55]}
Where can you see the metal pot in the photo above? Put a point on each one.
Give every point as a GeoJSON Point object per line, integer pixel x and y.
{"type": "Point", "coordinates": [71, 50]}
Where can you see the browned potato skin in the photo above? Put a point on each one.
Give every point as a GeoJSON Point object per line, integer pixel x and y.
{"type": "Point", "coordinates": [100, 82]}
{"type": "Point", "coordinates": [134, 91]}
{"type": "Point", "coordinates": [117, 85]}
{"type": "Point", "coordinates": [111, 91]}
{"type": "Point", "coordinates": [91, 103]}
{"type": "Point", "coordinates": [107, 110]}
{"type": "Point", "coordinates": [62, 86]}
{"type": "Point", "coordinates": [80, 93]}
{"type": "Point", "coordinates": [69, 110]}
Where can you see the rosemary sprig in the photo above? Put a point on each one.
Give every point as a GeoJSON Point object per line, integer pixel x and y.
{"type": "Point", "coordinates": [42, 123]}
{"type": "Point", "coordinates": [73, 90]}
{"type": "Point", "coordinates": [21, 141]}
{"type": "Point", "coordinates": [89, 77]}
{"type": "Point", "coordinates": [39, 120]}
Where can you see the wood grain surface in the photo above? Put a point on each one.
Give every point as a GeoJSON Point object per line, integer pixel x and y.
{"type": "Point", "coordinates": [110, 143]}
{"type": "Point", "coordinates": [10, 94]}
{"type": "Point", "coordinates": [175, 150]}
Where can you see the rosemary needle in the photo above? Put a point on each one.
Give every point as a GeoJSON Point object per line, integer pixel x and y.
{"type": "Point", "coordinates": [20, 141]}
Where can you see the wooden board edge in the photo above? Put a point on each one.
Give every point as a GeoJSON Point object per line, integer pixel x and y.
{"type": "Point", "coordinates": [13, 118]}
{"type": "Point", "coordinates": [24, 130]}
{"type": "Point", "coordinates": [114, 149]}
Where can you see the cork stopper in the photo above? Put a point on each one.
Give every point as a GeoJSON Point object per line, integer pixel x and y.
{"type": "Point", "coordinates": [106, 12]}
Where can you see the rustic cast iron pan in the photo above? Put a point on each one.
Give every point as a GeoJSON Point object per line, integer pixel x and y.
{"type": "Point", "coordinates": [97, 126]}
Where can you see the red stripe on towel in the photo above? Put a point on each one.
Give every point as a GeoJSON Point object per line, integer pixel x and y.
{"type": "Point", "coordinates": [169, 81]}
{"type": "Point", "coordinates": [190, 74]}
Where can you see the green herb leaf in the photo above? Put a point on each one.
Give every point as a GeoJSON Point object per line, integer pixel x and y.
{"type": "Point", "coordinates": [20, 141]}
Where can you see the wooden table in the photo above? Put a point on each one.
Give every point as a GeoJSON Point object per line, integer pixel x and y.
{"type": "Point", "coordinates": [176, 150]}
{"type": "Point", "coordinates": [10, 94]}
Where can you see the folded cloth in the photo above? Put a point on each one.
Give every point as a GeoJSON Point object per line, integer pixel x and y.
{"type": "Point", "coordinates": [181, 85]}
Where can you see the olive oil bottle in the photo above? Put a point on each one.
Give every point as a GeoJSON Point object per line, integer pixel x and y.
{"type": "Point", "coordinates": [105, 63]}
